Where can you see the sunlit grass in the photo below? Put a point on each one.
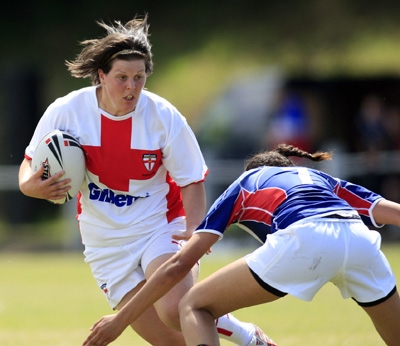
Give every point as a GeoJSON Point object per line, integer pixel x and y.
{"type": "Point", "coordinates": [52, 299]}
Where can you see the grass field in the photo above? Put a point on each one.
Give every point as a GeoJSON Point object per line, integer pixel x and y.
{"type": "Point", "coordinates": [51, 299]}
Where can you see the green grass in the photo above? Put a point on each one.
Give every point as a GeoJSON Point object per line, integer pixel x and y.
{"type": "Point", "coordinates": [51, 299]}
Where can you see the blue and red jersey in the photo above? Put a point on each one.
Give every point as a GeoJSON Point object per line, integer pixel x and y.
{"type": "Point", "coordinates": [267, 199]}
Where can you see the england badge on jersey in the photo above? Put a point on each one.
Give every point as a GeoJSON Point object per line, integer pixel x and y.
{"type": "Point", "coordinates": [149, 160]}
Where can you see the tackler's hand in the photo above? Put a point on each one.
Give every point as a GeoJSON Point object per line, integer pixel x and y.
{"type": "Point", "coordinates": [186, 235]}
{"type": "Point", "coordinates": [104, 331]}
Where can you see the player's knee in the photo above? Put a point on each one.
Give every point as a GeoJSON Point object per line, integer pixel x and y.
{"type": "Point", "coordinates": [169, 314]}
{"type": "Point", "coordinates": [187, 304]}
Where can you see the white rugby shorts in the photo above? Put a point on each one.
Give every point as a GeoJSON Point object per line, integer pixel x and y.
{"type": "Point", "coordinates": [119, 269]}
{"type": "Point", "coordinates": [302, 258]}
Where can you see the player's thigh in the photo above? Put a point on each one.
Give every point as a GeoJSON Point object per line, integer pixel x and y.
{"type": "Point", "coordinates": [386, 318]}
{"type": "Point", "coordinates": [167, 306]}
{"type": "Point", "coordinates": [230, 288]}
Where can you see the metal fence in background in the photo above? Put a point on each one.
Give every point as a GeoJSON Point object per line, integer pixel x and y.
{"type": "Point", "coordinates": [223, 172]}
{"type": "Point", "coordinates": [8, 178]}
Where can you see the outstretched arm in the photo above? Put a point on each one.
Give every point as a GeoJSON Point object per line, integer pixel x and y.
{"type": "Point", "coordinates": [167, 276]}
{"type": "Point", "coordinates": [387, 212]}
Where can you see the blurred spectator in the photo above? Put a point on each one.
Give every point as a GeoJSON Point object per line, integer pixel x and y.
{"type": "Point", "coordinates": [377, 130]}
{"type": "Point", "coordinates": [290, 123]}
{"type": "Point", "coordinates": [371, 131]}
{"type": "Point", "coordinates": [392, 125]}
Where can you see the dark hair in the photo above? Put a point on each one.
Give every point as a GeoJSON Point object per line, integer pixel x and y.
{"type": "Point", "coordinates": [279, 157]}
{"type": "Point", "coordinates": [125, 42]}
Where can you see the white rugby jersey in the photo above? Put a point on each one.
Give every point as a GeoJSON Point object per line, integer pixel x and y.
{"type": "Point", "coordinates": [135, 164]}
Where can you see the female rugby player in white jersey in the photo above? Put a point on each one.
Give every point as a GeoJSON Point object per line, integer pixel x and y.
{"type": "Point", "coordinates": [144, 180]}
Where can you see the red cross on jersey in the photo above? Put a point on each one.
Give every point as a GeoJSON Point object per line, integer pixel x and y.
{"type": "Point", "coordinates": [115, 162]}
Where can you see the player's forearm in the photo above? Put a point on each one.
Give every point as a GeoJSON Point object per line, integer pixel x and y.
{"type": "Point", "coordinates": [194, 202]}
{"type": "Point", "coordinates": [24, 174]}
{"type": "Point", "coordinates": [387, 212]}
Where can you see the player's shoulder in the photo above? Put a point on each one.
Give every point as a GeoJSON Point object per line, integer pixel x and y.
{"type": "Point", "coordinates": [154, 97]}
{"type": "Point", "coordinates": [160, 111]}
{"type": "Point", "coordinates": [158, 102]}
{"type": "Point", "coordinates": [264, 170]}
{"type": "Point", "coordinates": [79, 97]}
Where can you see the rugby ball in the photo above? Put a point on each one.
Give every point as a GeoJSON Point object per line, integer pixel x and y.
{"type": "Point", "coordinates": [60, 151]}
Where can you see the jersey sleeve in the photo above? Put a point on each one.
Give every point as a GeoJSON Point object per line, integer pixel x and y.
{"type": "Point", "coordinates": [47, 123]}
{"type": "Point", "coordinates": [62, 114]}
{"type": "Point", "coordinates": [360, 198]}
{"type": "Point", "coordinates": [220, 215]}
{"type": "Point", "coordinates": [182, 156]}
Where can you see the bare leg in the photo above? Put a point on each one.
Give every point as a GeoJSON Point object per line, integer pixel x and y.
{"type": "Point", "coordinates": [229, 328]}
{"type": "Point", "coordinates": [151, 328]}
{"type": "Point", "coordinates": [167, 306]}
{"type": "Point", "coordinates": [386, 318]}
{"type": "Point", "coordinates": [230, 288]}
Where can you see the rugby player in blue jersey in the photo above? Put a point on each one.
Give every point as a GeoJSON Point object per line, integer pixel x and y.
{"type": "Point", "coordinates": [314, 229]}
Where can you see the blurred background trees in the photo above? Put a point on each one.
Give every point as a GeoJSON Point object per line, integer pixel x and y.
{"type": "Point", "coordinates": [199, 47]}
